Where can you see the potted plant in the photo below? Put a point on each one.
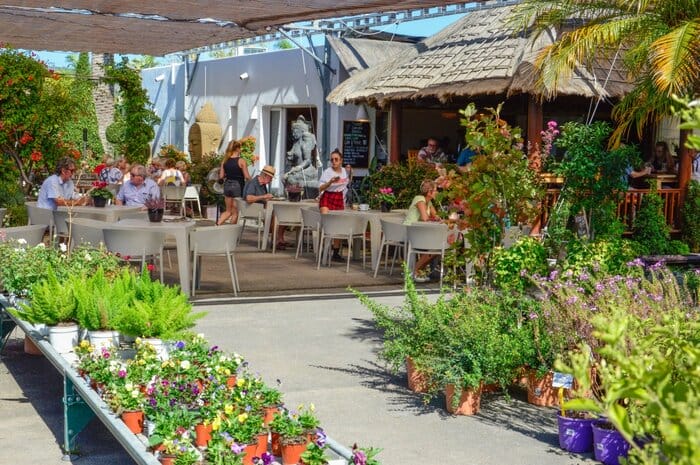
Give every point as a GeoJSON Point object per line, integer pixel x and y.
{"type": "Point", "coordinates": [223, 450]}
{"type": "Point", "coordinates": [126, 399]}
{"type": "Point", "coordinates": [155, 207]}
{"type": "Point", "coordinates": [53, 304]}
{"type": "Point", "coordinates": [315, 453]}
{"type": "Point", "coordinates": [292, 436]}
{"type": "Point", "coordinates": [100, 194]}
{"type": "Point", "coordinates": [365, 455]}
{"type": "Point", "coordinates": [386, 198]}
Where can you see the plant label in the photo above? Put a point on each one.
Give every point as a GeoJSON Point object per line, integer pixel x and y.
{"type": "Point", "coordinates": [562, 380]}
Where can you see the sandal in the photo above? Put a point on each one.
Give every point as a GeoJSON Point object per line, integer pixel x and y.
{"type": "Point", "coordinates": [281, 246]}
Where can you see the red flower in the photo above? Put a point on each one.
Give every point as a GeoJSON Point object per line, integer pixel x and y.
{"type": "Point", "coordinates": [26, 138]}
{"type": "Point", "coordinates": [35, 156]}
{"type": "Point", "coordinates": [75, 153]}
{"type": "Point", "coordinates": [99, 184]}
{"type": "Point", "coordinates": [151, 267]}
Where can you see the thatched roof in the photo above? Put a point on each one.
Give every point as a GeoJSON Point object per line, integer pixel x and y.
{"type": "Point", "coordinates": [476, 55]}
{"type": "Point", "coordinates": [357, 54]}
{"type": "Point", "coordinates": [165, 26]}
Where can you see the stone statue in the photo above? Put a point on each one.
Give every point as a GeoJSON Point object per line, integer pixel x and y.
{"type": "Point", "coordinates": [303, 159]}
{"type": "Point", "coordinates": [205, 134]}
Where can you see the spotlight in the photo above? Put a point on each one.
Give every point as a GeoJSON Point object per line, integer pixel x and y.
{"type": "Point", "coordinates": [159, 78]}
{"type": "Point", "coordinates": [244, 76]}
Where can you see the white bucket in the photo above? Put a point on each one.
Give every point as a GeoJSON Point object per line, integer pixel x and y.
{"type": "Point", "coordinates": [100, 339]}
{"type": "Point", "coordinates": [160, 347]}
{"type": "Point", "coordinates": [63, 338]}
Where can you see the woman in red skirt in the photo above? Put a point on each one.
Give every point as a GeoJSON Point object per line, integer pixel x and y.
{"type": "Point", "coordinates": [334, 187]}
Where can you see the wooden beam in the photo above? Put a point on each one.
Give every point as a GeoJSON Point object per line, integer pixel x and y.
{"type": "Point", "coordinates": [535, 124]}
{"type": "Point", "coordinates": [685, 165]}
{"type": "Point", "coordinates": [395, 132]}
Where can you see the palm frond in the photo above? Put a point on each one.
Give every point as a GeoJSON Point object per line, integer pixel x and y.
{"type": "Point", "coordinates": [674, 58]}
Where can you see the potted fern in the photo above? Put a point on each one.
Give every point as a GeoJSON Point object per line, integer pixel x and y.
{"type": "Point", "coordinates": [156, 312]}
{"type": "Point", "coordinates": [53, 304]}
{"type": "Point", "coordinates": [99, 305]}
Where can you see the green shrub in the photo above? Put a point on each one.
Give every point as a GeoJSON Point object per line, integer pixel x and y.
{"type": "Point", "coordinates": [649, 228]}
{"type": "Point", "coordinates": [512, 267]}
{"type": "Point", "coordinates": [690, 217]}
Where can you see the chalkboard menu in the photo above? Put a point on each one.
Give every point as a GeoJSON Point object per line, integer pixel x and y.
{"type": "Point", "coordinates": [356, 143]}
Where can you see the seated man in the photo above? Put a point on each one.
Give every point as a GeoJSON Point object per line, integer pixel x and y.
{"type": "Point", "coordinates": [255, 191]}
{"type": "Point", "coordinates": [138, 188]}
{"type": "Point", "coordinates": [432, 153]}
{"type": "Point", "coordinates": [58, 189]}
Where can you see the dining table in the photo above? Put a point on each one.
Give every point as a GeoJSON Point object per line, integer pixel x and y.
{"type": "Point", "coordinates": [109, 213]}
{"type": "Point", "coordinates": [269, 209]}
{"type": "Point", "coordinates": [664, 179]}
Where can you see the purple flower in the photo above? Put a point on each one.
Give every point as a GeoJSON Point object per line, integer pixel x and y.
{"type": "Point", "coordinates": [237, 448]}
{"type": "Point", "coordinates": [533, 316]}
{"type": "Point", "coordinates": [359, 458]}
{"type": "Point", "coordinates": [635, 262]}
{"type": "Point", "coordinates": [320, 437]}
{"type": "Point", "coordinates": [180, 345]}
{"type": "Point", "coordinates": [266, 458]}
{"type": "Point", "coordinates": [153, 402]}
{"type": "Point", "coordinates": [227, 437]}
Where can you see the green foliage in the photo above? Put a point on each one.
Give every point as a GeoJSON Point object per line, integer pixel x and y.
{"type": "Point", "coordinates": [199, 172]}
{"type": "Point", "coordinates": [171, 152]}
{"type": "Point", "coordinates": [101, 301]}
{"type": "Point", "coordinates": [132, 130]}
{"type": "Point", "coordinates": [650, 387]}
{"type": "Point", "coordinates": [594, 177]}
{"type": "Point", "coordinates": [690, 116]}
{"type": "Point", "coordinates": [53, 302]}
{"type": "Point", "coordinates": [404, 179]}
{"type": "Point", "coordinates": [34, 111]}
{"type": "Point", "coordinates": [649, 228]}
{"type": "Point", "coordinates": [607, 256]}
{"type": "Point", "coordinates": [690, 217]}
{"type": "Point", "coordinates": [314, 455]}
{"type": "Point", "coordinates": [510, 267]}
{"type": "Point", "coordinates": [157, 310]}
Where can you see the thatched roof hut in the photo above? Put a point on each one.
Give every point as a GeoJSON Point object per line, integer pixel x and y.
{"type": "Point", "coordinates": [479, 54]}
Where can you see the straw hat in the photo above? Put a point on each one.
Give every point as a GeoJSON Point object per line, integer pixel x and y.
{"type": "Point", "coordinates": [269, 170]}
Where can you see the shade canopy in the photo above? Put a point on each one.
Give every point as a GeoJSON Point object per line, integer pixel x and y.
{"type": "Point", "coordinates": [164, 26]}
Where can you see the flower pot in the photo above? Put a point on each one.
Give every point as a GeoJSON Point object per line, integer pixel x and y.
{"type": "Point", "coordinates": [261, 445]}
{"type": "Point", "coordinates": [417, 380]}
{"type": "Point", "coordinates": [99, 202]}
{"type": "Point", "coordinates": [269, 414]}
{"type": "Point", "coordinates": [608, 443]}
{"type": "Point", "coordinates": [155, 215]}
{"type": "Point", "coordinates": [100, 339]}
{"type": "Point", "coordinates": [575, 434]}
{"type": "Point", "coordinates": [63, 337]}
{"type": "Point", "coordinates": [133, 419]}
{"type": "Point", "coordinates": [469, 401]}
{"type": "Point", "coordinates": [249, 453]}
{"type": "Point", "coordinates": [167, 459]}
{"type": "Point", "coordinates": [540, 391]}
{"type": "Point", "coordinates": [385, 207]}
{"type": "Point", "coordinates": [202, 434]}
{"type": "Point", "coordinates": [30, 348]}
{"type": "Point", "coordinates": [159, 346]}
{"type": "Point", "coordinates": [275, 445]}
{"type": "Point", "coordinates": [291, 453]}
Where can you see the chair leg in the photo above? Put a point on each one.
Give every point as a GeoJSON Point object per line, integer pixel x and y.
{"type": "Point", "coordinates": [347, 266]}
{"type": "Point", "coordinates": [442, 266]}
{"type": "Point", "coordinates": [320, 251]}
{"type": "Point", "coordinates": [194, 272]}
{"type": "Point", "coordinates": [235, 272]}
{"type": "Point", "coordinates": [233, 276]}
{"type": "Point", "coordinates": [299, 243]}
{"type": "Point", "coordinates": [382, 245]}
{"type": "Point", "coordinates": [393, 260]}
{"type": "Point", "coordinates": [274, 240]}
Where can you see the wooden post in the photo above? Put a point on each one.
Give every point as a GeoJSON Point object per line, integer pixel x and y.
{"type": "Point", "coordinates": [535, 124]}
{"type": "Point", "coordinates": [395, 131]}
{"type": "Point", "coordinates": [685, 165]}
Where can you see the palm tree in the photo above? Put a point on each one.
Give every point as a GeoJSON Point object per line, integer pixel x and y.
{"type": "Point", "coordinates": [657, 42]}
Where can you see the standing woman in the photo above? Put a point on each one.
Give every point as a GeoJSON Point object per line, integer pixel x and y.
{"type": "Point", "coordinates": [334, 186]}
{"type": "Point", "coordinates": [234, 171]}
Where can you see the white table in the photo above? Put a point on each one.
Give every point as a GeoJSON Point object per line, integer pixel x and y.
{"type": "Point", "coordinates": [109, 213]}
{"type": "Point", "coordinates": [270, 206]}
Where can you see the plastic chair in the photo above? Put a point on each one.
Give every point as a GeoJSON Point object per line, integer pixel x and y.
{"type": "Point", "coordinates": [192, 196]}
{"type": "Point", "coordinates": [60, 225]}
{"type": "Point", "coordinates": [174, 196]}
{"type": "Point", "coordinates": [251, 212]}
{"type": "Point", "coordinates": [38, 215]}
{"type": "Point", "coordinates": [33, 234]}
{"type": "Point", "coordinates": [86, 231]}
{"type": "Point", "coordinates": [393, 233]}
{"type": "Point", "coordinates": [134, 245]}
{"type": "Point", "coordinates": [216, 241]}
{"type": "Point", "coordinates": [310, 225]}
{"type": "Point", "coordinates": [338, 226]}
{"type": "Point", "coordinates": [427, 238]}
{"type": "Point", "coordinates": [286, 214]}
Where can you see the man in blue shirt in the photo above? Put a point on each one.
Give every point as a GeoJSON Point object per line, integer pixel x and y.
{"type": "Point", "coordinates": [138, 188]}
{"type": "Point", "coordinates": [465, 159]}
{"type": "Point", "coordinates": [58, 189]}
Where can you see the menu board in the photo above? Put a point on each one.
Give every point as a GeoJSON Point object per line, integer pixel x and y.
{"type": "Point", "coordinates": [356, 143]}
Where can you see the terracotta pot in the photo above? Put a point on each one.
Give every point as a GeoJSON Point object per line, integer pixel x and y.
{"type": "Point", "coordinates": [269, 414]}
{"type": "Point", "coordinates": [540, 391]}
{"type": "Point", "coordinates": [231, 381]}
{"type": "Point", "coordinates": [275, 445]}
{"type": "Point", "coordinates": [167, 459]}
{"type": "Point", "coordinates": [202, 434]}
{"type": "Point", "coordinates": [417, 380]}
{"type": "Point", "coordinates": [262, 445]}
{"type": "Point", "coordinates": [468, 404]}
{"type": "Point", "coordinates": [291, 453]}
{"type": "Point", "coordinates": [490, 388]}
{"type": "Point", "coordinates": [31, 348]}
{"type": "Point", "coordinates": [249, 452]}
{"type": "Point", "coordinates": [133, 419]}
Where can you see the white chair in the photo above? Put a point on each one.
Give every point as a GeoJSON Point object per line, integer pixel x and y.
{"type": "Point", "coordinates": [337, 226]}
{"type": "Point", "coordinates": [393, 234]}
{"type": "Point", "coordinates": [216, 241]}
{"type": "Point", "coordinates": [310, 226]}
{"type": "Point", "coordinates": [286, 214]}
{"type": "Point", "coordinates": [86, 231]}
{"type": "Point", "coordinates": [136, 245]}
{"type": "Point", "coordinates": [251, 212]}
{"type": "Point", "coordinates": [192, 196]}
{"type": "Point", "coordinates": [427, 238]}
{"type": "Point", "coordinates": [33, 234]}
{"type": "Point", "coordinates": [359, 230]}
{"type": "Point", "coordinates": [60, 225]}
{"type": "Point", "coordinates": [174, 197]}
{"type": "Point", "coordinates": [38, 215]}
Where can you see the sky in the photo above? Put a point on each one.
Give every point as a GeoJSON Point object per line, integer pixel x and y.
{"type": "Point", "coordinates": [417, 28]}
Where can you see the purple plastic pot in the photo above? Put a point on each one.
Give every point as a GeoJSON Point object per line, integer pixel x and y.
{"type": "Point", "coordinates": [575, 434]}
{"type": "Point", "coordinates": [608, 444]}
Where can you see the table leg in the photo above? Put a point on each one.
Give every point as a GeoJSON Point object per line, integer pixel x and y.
{"type": "Point", "coordinates": [266, 229]}
{"type": "Point", "coordinates": [76, 415]}
{"type": "Point", "coordinates": [375, 231]}
{"type": "Point", "coordinates": [183, 260]}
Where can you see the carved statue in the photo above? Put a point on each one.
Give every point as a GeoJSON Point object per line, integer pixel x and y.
{"type": "Point", "coordinates": [302, 158]}
{"type": "Point", "coordinates": [205, 134]}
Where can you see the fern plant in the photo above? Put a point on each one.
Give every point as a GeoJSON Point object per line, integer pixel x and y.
{"type": "Point", "coordinates": [53, 301]}
{"type": "Point", "coordinates": [101, 302]}
{"type": "Point", "coordinates": [156, 310]}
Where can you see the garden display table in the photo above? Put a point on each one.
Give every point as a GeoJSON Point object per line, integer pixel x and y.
{"type": "Point", "coordinates": [80, 402]}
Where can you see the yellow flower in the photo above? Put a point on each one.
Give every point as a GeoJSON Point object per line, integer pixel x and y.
{"type": "Point", "coordinates": [312, 407]}
{"type": "Point", "coordinates": [240, 382]}
{"type": "Point", "coordinates": [228, 409]}
{"type": "Point", "coordinates": [216, 424]}
{"type": "Point", "coordinates": [242, 417]}
{"type": "Point", "coordinates": [84, 344]}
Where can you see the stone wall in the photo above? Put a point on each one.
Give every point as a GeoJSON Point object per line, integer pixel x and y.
{"type": "Point", "coordinates": [103, 95]}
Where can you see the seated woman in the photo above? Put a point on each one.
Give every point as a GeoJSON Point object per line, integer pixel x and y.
{"type": "Point", "coordinates": [422, 209]}
{"type": "Point", "coordinates": [171, 175]}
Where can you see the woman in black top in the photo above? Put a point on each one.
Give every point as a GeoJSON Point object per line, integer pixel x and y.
{"type": "Point", "coordinates": [234, 171]}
